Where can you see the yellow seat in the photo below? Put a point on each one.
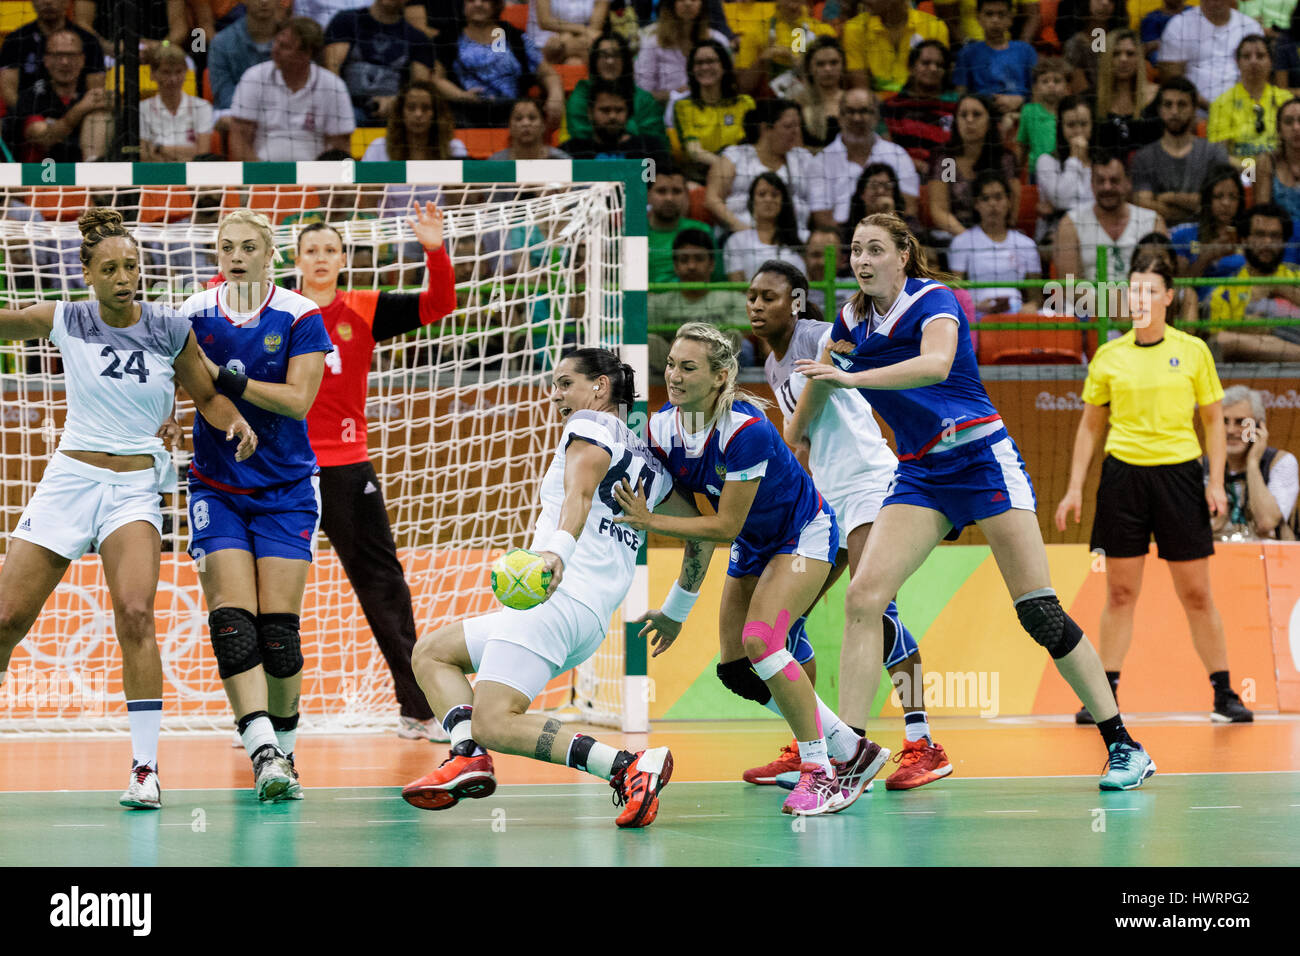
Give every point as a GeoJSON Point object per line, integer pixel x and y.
{"type": "Point", "coordinates": [147, 85]}
{"type": "Point", "coordinates": [363, 136]}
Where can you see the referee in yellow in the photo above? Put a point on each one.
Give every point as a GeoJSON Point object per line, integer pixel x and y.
{"type": "Point", "coordinates": [1149, 384]}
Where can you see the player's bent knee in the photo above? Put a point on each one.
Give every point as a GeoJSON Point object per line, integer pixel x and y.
{"type": "Point", "coordinates": [135, 625]}
{"type": "Point", "coordinates": [281, 644]}
{"type": "Point", "coordinates": [738, 677]}
{"type": "Point", "coordinates": [234, 641]}
{"type": "Point", "coordinates": [1042, 616]}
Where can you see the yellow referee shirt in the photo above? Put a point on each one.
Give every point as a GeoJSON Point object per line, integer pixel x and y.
{"type": "Point", "coordinates": [1153, 392]}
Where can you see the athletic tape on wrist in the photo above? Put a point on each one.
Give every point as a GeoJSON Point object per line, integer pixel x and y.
{"type": "Point", "coordinates": [677, 605]}
{"type": "Point", "coordinates": [563, 544]}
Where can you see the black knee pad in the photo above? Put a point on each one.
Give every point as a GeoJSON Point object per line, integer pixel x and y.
{"type": "Point", "coordinates": [234, 641]}
{"type": "Point", "coordinates": [281, 645]}
{"type": "Point", "coordinates": [738, 677]}
{"type": "Point", "coordinates": [1049, 625]}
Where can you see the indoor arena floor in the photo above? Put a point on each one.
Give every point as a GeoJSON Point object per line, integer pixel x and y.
{"type": "Point", "coordinates": [1023, 793]}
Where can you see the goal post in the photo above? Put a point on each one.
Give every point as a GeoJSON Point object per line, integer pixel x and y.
{"type": "Point", "coordinates": [549, 255]}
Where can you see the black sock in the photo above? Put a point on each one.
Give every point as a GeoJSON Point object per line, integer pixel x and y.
{"type": "Point", "coordinates": [578, 751]}
{"type": "Point", "coordinates": [1113, 731]}
{"type": "Point", "coordinates": [1222, 684]}
{"type": "Point", "coordinates": [860, 731]}
{"type": "Point", "coordinates": [1113, 677]}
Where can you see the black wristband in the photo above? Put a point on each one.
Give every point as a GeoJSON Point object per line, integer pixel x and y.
{"type": "Point", "coordinates": [231, 383]}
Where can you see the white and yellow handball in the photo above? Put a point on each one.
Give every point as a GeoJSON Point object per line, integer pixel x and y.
{"type": "Point", "coordinates": [520, 579]}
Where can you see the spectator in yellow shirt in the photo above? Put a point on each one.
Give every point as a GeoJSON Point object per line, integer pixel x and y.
{"type": "Point", "coordinates": [713, 116]}
{"type": "Point", "coordinates": [877, 44]}
{"type": "Point", "coordinates": [772, 49]}
{"type": "Point", "coordinates": [1264, 232]}
{"type": "Point", "coordinates": [1244, 118]}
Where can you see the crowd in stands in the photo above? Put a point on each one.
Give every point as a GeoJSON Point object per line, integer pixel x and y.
{"type": "Point", "coordinates": [1017, 137]}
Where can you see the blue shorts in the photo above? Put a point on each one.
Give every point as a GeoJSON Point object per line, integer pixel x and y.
{"type": "Point", "coordinates": [277, 522]}
{"type": "Point", "coordinates": [819, 539]}
{"type": "Point", "coordinates": [968, 483]}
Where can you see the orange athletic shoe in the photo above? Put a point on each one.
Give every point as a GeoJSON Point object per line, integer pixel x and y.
{"type": "Point", "coordinates": [919, 763]}
{"type": "Point", "coordinates": [455, 778]}
{"type": "Point", "coordinates": [637, 786]}
{"type": "Point", "coordinates": [788, 761]}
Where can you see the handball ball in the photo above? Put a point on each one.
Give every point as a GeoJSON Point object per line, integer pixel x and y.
{"type": "Point", "coordinates": [520, 579]}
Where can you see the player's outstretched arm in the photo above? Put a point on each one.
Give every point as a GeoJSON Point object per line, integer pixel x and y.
{"type": "Point", "coordinates": [938, 351]}
{"type": "Point", "coordinates": [585, 466]}
{"type": "Point", "coordinates": [397, 313]}
{"type": "Point", "coordinates": [33, 322]}
{"type": "Point", "coordinates": [664, 624]}
{"type": "Point", "coordinates": [733, 509]}
{"type": "Point", "coordinates": [219, 411]}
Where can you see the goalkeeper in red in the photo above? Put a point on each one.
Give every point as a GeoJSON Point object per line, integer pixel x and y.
{"type": "Point", "coordinates": [592, 560]}
{"type": "Point", "coordinates": [353, 514]}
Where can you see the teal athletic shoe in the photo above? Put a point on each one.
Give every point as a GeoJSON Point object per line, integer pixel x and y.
{"type": "Point", "coordinates": [1126, 767]}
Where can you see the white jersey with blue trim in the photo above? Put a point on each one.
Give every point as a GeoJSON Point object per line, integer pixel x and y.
{"type": "Point", "coordinates": [932, 418]}
{"type": "Point", "coordinates": [600, 570]}
{"type": "Point", "coordinates": [118, 380]}
{"type": "Point", "coordinates": [848, 454]}
{"type": "Point", "coordinates": [741, 446]}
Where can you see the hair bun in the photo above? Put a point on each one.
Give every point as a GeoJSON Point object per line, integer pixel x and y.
{"type": "Point", "coordinates": [107, 221]}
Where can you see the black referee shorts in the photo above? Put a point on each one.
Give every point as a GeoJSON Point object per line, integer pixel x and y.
{"type": "Point", "coordinates": [1136, 501]}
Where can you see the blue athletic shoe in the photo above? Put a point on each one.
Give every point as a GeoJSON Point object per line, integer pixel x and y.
{"type": "Point", "coordinates": [1126, 767]}
{"type": "Point", "coordinates": [787, 781]}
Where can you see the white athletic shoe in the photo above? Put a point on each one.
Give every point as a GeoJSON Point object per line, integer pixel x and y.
{"type": "Point", "coordinates": [144, 792]}
{"type": "Point", "coordinates": [295, 789]}
{"type": "Point", "coordinates": [274, 775]}
{"type": "Point", "coordinates": [408, 728]}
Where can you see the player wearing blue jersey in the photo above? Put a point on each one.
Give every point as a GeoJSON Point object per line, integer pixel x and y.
{"type": "Point", "coordinates": [592, 562]}
{"type": "Point", "coordinates": [843, 450]}
{"type": "Point", "coordinates": [101, 490]}
{"type": "Point", "coordinates": [716, 441]}
{"type": "Point", "coordinates": [253, 523]}
{"type": "Point", "coordinates": [905, 339]}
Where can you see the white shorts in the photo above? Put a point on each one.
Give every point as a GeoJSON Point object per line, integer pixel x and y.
{"type": "Point", "coordinates": [77, 506]}
{"type": "Point", "coordinates": [560, 634]}
{"type": "Point", "coordinates": [858, 507]}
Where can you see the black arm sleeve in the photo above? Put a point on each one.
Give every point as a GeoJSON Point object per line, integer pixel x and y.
{"type": "Point", "coordinates": [396, 313]}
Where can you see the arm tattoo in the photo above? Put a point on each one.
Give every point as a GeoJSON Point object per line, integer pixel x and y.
{"type": "Point", "coordinates": [547, 738]}
{"type": "Point", "coordinates": [692, 568]}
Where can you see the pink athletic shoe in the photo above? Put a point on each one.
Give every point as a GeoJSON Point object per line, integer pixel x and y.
{"type": "Point", "coordinates": [816, 792]}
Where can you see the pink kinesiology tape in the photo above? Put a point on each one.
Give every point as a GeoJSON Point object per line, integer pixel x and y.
{"type": "Point", "coordinates": [773, 639]}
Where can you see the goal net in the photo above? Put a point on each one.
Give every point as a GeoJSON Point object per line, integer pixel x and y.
{"type": "Point", "coordinates": [459, 428]}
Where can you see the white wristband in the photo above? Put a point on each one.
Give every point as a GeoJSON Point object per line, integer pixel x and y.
{"type": "Point", "coordinates": [679, 602]}
{"type": "Point", "coordinates": [563, 544]}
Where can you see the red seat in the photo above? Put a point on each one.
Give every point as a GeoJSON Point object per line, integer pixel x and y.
{"type": "Point", "coordinates": [482, 143]}
{"type": "Point", "coordinates": [1029, 346]}
{"type": "Point", "coordinates": [515, 14]}
{"type": "Point", "coordinates": [571, 74]}
{"type": "Point", "coordinates": [1027, 215]}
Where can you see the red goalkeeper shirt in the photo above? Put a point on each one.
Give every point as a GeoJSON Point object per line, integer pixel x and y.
{"type": "Point", "coordinates": [355, 321]}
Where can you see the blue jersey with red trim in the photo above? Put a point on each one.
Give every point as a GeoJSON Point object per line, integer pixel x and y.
{"type": "Point", "coordinates": [742, 446]}
{"type": "Point", "coordinates": [260, 346]}
{"type": "Point", "coordinates": [919, 417]}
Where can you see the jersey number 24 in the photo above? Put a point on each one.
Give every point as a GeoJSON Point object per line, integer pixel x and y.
{"type": "Point", "coordinates": [134, 364]}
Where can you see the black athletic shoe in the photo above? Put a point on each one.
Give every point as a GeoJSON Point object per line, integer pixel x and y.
{"type": "Point", "coordinates": [1229, 709]}
{"type": "Point", "coordinates": [1083, 717]}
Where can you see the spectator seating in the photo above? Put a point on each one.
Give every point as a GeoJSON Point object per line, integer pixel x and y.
{"type": "Point", "coordinates": [1029, 346]}
{"type": "Point", "coordinates": [363, 136]}
{"type": "Point", "coordinates": [515, 14]}
{"type": "Point", "coordinates": [571, 74]}
{"type": "Point", "coordinates": [64, 205]}
{"type": "Point", "coordinates": [274, 204]}
{"type": "Point", "coordinates": [165, 205]}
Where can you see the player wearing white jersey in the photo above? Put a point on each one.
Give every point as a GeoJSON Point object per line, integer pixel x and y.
{"type": "Point", "coordinates": [592, 560]}
{"type": "Point", "coordinates": [843, 449]}
{"type": "Point", "coordinates": [102, 488]}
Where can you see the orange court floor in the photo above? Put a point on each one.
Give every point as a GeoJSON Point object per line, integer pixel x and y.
{"type": "Point", "coordinates": [702, 751]}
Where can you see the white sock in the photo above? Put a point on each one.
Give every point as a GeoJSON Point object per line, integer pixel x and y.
{"type": "Point", "coordinates": [814, 751]}
{"type": "Point", "coordinates": [145, 720]}
{"type": "Point", "coordinates": [286, 739]}
{"type": "Point", "coordinates": [841, 741]}
{"type": "Point", "coordinates": [600, 760]}
{"type": "Point", "coordinates": [464, 731]}
{"type": "Point", "coordinates": [917, 726]}
{"type": "Point", "coordinates": [257, 735]}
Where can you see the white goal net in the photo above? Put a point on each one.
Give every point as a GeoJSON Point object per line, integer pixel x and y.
{"type": "Point", "coordinates": [460, 431]}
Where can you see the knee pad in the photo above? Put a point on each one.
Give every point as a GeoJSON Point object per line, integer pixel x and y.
{"type": "Point", "coordinates": [1041, 615]}
{"type": "Point", "coordinates": [281, 645]}
{"type": "Point", "coordinates": [797, 643]}
{"type": "Point", "coordinates": [738, 677]}
{"type": "Point", "coordinates": [234, 641]}
{"type": "Point", "coordinates": [899, 643]}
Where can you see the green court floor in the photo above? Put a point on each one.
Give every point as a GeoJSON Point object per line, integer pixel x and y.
{"type": "Point", "coordinates": [1176, 820]}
